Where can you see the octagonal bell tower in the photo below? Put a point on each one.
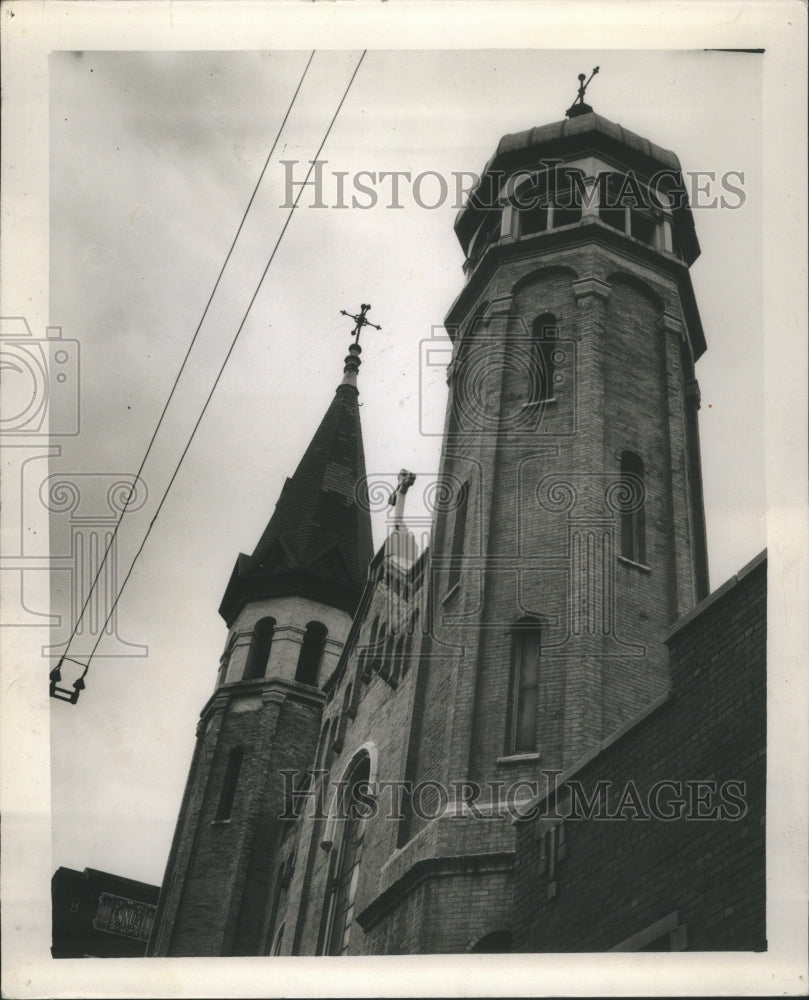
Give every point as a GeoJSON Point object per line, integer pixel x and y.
{"type": "Point", "coordinates": [575, 535]}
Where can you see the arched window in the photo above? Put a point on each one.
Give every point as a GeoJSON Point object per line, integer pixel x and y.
{"type": "Point", "coordinates": [633, 500]}
{"type": "Point", "coordinates": [260, 646]}
{"type": "Point", "coordinates": [524, 708]}
{"type": "Point", "coordinates": [347, 855]}
{"type": "Point", "coordinates": [228, 792]}
{"type": "Point", "coordinates": [311, 652]}
{"type": "Point", "coordinates": [545, 334]}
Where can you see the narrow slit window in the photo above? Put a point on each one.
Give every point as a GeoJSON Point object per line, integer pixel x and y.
{"type": "Point", "coordinates": [633, 501]}
{"type": "Point", "coordinates": [369, 655]}
{"type": "Point", "coordinates": [544, 343]}
{"type": "Point", "coordinates": [398, 659]}
{"type": "Point", "coordinates": [260, 646]}
{"type": "Point", "coordinates": [345, 715]}
{"type": "Point", "coordinates": [311, 653]}
{"type": "Point", "coordinates": [458, 535]}
{"type": "Point", "coordinates": [228, 794]}
{"type": "Point", "coordinates": [526, 646]}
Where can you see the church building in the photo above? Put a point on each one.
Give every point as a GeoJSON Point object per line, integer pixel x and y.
{"type": "Point", "coordinates": [405, 750]}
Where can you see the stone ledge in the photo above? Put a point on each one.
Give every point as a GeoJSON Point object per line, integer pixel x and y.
{"type": "Point", "coordinates": [711, 599]}
{"type": "Point", "coordinates": [431, 868]}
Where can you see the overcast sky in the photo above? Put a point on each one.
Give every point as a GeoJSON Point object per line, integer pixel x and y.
{"type": "Point", "coordinates": [153, 159]}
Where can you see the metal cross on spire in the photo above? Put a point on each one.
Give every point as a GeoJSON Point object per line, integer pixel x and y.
{"type": "Point", "coordinates": [579, 107]}
{"type": "Point", "coordinates": [352, 361]}
{"type": "Point", "coordinates": [360, 321]}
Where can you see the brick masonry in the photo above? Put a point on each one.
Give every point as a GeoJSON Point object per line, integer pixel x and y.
{"type": "Point", "coordinates": [419, 683]}
{"type": "Point", "coordinates": [617, 879]}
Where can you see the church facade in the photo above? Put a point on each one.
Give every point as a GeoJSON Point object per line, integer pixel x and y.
{"type": "Point", "coordinates": [385, 728]}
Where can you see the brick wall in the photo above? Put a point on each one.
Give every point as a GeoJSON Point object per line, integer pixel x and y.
{"type": "Point", "coordinates": [219, 876]}
{"type": "Point", "coordinates": [697, 882]}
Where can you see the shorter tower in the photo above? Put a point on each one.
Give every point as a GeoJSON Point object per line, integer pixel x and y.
{"type": "Point", "coordinates": [288, 608]}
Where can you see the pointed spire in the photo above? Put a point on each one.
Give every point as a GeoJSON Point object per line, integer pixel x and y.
{"type": "Point", "coordinates": [318, 542]}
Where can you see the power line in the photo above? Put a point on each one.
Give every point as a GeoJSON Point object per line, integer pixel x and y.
{"type": "Point", "coordinates": [78, 685]}
{"type": "Point", "coordinates": [128, 499]}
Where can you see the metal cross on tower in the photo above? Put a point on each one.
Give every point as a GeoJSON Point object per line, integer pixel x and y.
{"type": "Point", "coordinates": [579, 107]}
{"type": "Point", "coordinates": [360, 321]}
{"type": "Point", "coordinates": [397, 497]}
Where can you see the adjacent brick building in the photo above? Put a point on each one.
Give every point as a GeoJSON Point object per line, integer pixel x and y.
{"type": "Point", "coordinates": [100, 915]}
{"type": "Point", "coordinates": [682, 864]}
{"type": "Point", "coordinates": [377, 719]}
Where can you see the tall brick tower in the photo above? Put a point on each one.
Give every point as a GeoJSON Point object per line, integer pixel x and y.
{"type": "Point", "coordinates": [571, 533]}
{"type": "Point", "coordinates": [288, 608]}
{"type": "Point", "coordinates": [575, 535]}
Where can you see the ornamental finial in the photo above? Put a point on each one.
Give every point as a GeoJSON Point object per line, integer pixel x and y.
{"type": "Point", "coordinates": [352, 361]}
{"type": "Point", "coordinates": [578, 107]}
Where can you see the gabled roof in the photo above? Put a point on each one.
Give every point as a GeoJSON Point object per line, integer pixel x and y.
{"type": "Point", "coordinates": [318, 541]}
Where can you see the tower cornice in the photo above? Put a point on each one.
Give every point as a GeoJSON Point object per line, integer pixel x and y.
{"type": "Point", "coordinates": [263, 690]}
{"type": "Point", "coordinates": [546, 245]}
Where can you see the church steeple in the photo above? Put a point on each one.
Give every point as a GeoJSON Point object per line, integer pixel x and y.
{"type": "Point", "coordinates": [318, 542]}
{"type": "Point", "coordinates": [288, 608]}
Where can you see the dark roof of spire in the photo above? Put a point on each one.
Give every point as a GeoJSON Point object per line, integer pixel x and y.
{"type": "Point", "coordinates": [318, 541]}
